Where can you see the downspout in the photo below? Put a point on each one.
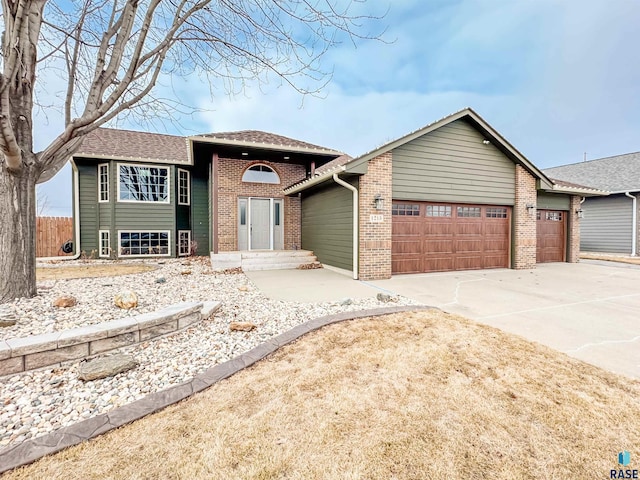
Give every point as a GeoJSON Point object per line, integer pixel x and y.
{"type": "Point", "coordinates": [76, 219]}
{"type": "Point", "coordinates": [634, 223]}
{"type": "Point", "coordinates": [339, 181]}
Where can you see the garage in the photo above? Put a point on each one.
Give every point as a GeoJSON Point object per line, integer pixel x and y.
{"type": "Point", "coordinates": [441, 237]}
{"type": "Point", "coordinates": [551, 228]}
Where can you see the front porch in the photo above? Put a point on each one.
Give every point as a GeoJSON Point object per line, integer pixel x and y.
{"type": "Point", "coordinates": [262, 259]}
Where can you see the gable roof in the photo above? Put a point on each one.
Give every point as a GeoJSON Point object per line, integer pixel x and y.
{"type": "Point", "coordinates": [111, 143]}
{"type": "Point", "coordinates": [260, 139]}
{"type": "Point", "coordinates": [478, 122]}
{"type": "Point", "coordinates": [620, 173]}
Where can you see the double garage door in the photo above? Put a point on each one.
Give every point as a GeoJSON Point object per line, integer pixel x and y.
{"type": "Point", "coordinates": [439, 237]}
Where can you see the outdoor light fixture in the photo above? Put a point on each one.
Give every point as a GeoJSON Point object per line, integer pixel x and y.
{"type": "Point", "coordinates": [378, 202]}
{"type": "Point", "coordinates": [244, 154]}
{"type": "Point", "coordinates": [486, 142]}
{"type": "Point", "coordinates": [580, 213]}
{"type": "Point", "coordinates": [531, 208]}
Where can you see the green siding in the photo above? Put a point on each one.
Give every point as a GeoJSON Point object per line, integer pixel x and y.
{"type": "Point", "coordinates": [327, 225]}
{"type": "Point", "coordinates": [200, 207]}
{"type": "Point", "coordinates": [88, 189]}
{"type": "Point", "coordinates": [451, 164]}
{"type": "Point", "coordinates": [551, 201]}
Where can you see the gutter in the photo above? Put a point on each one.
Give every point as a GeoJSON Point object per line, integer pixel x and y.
{"type": "Point", "coordinates": [634, 223]}
{"type": "Point", "coordinates": [310, 182]}
{"type": "Point", "coordinates": [76, 211]}
{"type": "Point", "coordinates": [339, 181]}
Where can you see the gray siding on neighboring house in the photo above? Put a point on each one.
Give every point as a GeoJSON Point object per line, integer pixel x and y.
{"type": "Point", "coordinates": [327, 225]}
{"type": "Point", "coordinates": [452, 164]}
{"type": "Point", "coordinates": [606, 226]}
{"type": "Point", "coordinates": [200, 207]}
{"type": "Point", "coordinates": [553, 201]}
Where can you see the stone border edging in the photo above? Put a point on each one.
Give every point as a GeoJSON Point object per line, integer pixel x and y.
{"type": "Point", "coordinates": [22, 354]}
{"type": "Point", "coordinates": [33, 449]}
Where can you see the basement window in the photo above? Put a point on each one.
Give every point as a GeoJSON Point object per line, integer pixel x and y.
{"type": "Point", "coordinates": [138, 244]}
{"type": "Point", "coordinates": [105, 244]}
{"type": "Point", "coordinates": [184, 242]}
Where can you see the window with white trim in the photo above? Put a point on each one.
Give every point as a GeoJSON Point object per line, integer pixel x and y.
{"type": "Point", "coordinates": [184, 243]}
{"type": "Point", "coordinates": [142, 183]}
{"type": "Point", "coordinates": [260, 173]}
{"type": "Point", "coordinates": [105, 244]}
{"type": "Point", "coordinates": [438, 211]}
{"type": "Point", "coordinates": [103, 182]}
{"type": "Point", "coordinates": [184, 187]}
{"type": "Point", "coordinates": [136, 244]}
{"type": "Point", "coordinates": [406, 209]}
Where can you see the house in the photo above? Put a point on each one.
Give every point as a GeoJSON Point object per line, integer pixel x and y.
{"type": "Point", "coordinates": [609, 223]}
{"type": "Point", "coordinates": [454, 195]}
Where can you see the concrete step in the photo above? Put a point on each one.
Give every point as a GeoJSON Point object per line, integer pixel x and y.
{"type": "Point", "coordinates": [271, 266]}
{"type": "Point", "coordinates": [278, 260]}
{"type": "Point", "coordinates": [276, 254]}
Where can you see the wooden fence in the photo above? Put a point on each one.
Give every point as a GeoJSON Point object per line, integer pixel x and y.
{"type": "Point", "coordinates": [51, 234]}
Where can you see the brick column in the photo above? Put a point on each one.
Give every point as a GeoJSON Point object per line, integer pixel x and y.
{"type": "Point", "coordinates": [573, 225]}
{"type": "Point", "coordinates": [524, 231]}
{"type": "Point", "coordinates": [375, 238]}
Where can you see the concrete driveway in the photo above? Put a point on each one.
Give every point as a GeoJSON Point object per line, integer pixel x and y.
{"type": "Point", "coordinates": [589, 310]}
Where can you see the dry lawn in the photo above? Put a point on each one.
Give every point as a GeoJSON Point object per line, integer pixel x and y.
{"type": "Point", "coordinates": [406, 396]}
{"type": "Point", "coordinates": [611, 258]}
{"type": "Point", "coordinates": [87, 271]}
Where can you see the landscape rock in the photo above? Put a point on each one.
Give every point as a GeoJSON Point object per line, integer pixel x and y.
{"type": "Point", "coordinates": [243, 288]}
{"type": "Point", "coordinates": [7, 318]}
{"type": "Point", "coordinates": [126, 300]}
{"type": "Point", "coordinates": [384, 298]}
{"type": "Point", "coordinates": [185, 272]}
{"type": "Point", "coordinates": [65, 301]}
{"type": "Point", "coordinates": [103, 367]}
{"type": "Point", "coordinates": [242, 326]}
{"type": "Point", "coordinates": [161, 280]}
{"type": "Point", "coordinates": [346, 301]}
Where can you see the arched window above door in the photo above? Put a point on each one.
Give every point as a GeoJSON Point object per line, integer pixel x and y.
{"type": "Point", "coordinates": [260, 173]}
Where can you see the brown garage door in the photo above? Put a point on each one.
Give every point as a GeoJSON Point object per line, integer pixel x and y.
{"type": "Point", "coordinates": [551, 236]}
{"type": "Point", "coordinates": [440, 237]}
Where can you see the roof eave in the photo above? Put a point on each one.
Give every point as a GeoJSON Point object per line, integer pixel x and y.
{"type": "Point", "coordinates": [264, 146]}
{"type": "Point", "coordinates": [187, 161]}
{"type": "Point", "coordinates": [310, 182]}
{"type": "Point", "coordinates": [585, 192]}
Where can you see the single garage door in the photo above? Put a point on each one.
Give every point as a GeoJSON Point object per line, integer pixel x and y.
{"type": "Point", "coordinates": [551, 228]}
{"type": "Point", "coordinates": [440, 237]}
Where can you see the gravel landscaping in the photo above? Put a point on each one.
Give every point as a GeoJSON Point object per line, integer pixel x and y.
{"type": "Point", "coordinates": [37, 402]}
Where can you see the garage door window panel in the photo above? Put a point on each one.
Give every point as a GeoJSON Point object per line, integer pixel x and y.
{"type": "Point", "coordinates": [406, 210]}
{"type": "Point", "coordinates": [469, 212]}
{"type": "Point", "coordinates": [438, 211]}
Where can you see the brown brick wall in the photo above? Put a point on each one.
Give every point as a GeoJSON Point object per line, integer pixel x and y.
{"type": "Point", "coordinates": [231, 186]}
{"type": "Point", "coordinates": [573, 226]}
{"type": "Point", "coordinates": [375, 238]}
{"type": "Point", "coordinates": [524, 242]}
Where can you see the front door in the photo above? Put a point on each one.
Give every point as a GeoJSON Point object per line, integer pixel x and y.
{"type": "Point", "coordinates": [260, 223]}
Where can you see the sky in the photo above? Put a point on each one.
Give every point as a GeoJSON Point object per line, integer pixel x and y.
{"type": "Point", "coordinates": [557, 78]}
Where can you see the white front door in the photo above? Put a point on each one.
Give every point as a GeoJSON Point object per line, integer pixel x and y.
{"type": "Point", "coordinates": [260, 224]}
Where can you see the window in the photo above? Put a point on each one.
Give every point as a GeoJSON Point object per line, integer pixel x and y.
{"type": "Point", "coordinates": [469, 212]}
{"type": "Point", "coordinates": [495, 212]}
{"type": "Point", "coordinates": [554, 216]}
{"type": "Point", "coordinates": [184, 187]}
{"type": "Point", "coordinates": [105, 244]}
{"type": "Point", "coordinates": [438, 211]}
{"type": "Point", "coordinates": [184, 242]}
{"type": "Point", "coordinates": [538, 215]}
{"type": "Point", "coordinates": [143, 183]}
{"type": "Point", "coordinates": [405, 209]}
{"type": "Point", "coordinates": [276, 214]}
{"type": "Point", "coordinates": [260, 174]}
{"type": "Point", "coordinates": [103, 182]}
{"type": "Point", "coordinates": [133, 244]}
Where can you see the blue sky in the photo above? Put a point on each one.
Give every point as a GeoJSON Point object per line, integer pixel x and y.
{"type": "Point", "coordinates": [557, 78]}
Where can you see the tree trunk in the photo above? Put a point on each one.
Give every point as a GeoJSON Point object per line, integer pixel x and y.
{"type": "Point", "coordinates": [17, 233]}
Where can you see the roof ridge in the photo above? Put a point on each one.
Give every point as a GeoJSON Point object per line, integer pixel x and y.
{"type": "Point", "coordinates": [140, 131]}
{"type": "Point", "coordinates": [593, 160]}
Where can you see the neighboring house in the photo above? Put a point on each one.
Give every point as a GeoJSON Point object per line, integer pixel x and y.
{"type": "Point", "coordinates": [453, 195]}
{"type": "Point", "coordinates": [609, 223]}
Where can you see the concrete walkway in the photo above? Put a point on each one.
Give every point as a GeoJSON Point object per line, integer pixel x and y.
{"type": "Point", "coordinates": [589, 310]}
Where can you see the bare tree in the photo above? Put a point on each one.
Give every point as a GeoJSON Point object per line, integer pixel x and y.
{"type": "Point", "coordinates": [112, 53]}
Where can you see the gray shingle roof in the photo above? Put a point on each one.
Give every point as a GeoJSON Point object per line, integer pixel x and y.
{"type": "Point", "coordinates": [620, 173]}
{"type": "Point", "coordinates": [115, 143]}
